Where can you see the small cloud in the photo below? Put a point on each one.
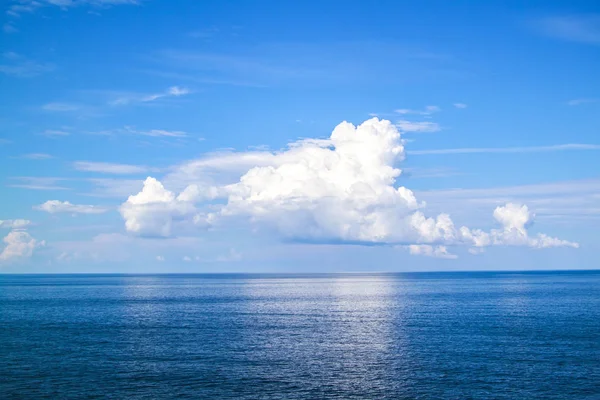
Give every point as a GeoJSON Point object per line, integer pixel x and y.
{"type": "Point", "coordinates": [109, 168]}
{"type": "Point", "coordinates": [460, 105]}
{"type": "Point", "coordinates": [15, 223]}
{"type": "Point", "coordinates": [476, 250]}
{"type": "Point", "coordinates": [187, 259]}
{"type": "Point", "coordinates": [20, 67]}
{"type": "Point", "coordinates": [530, 149]}
{"type": "Point", "coordinates": [132, 98]}
{"type": "Point", "coordinates": [156, 133]}
{"type": "Point", "coordinates": [160, 258]}
{"type": "Point", "coordinates": [54, 133]}
{"type": "Point", "coordinates": [577, 102]}
{"type": "Point", "coordinates": [61, 107]}
{"type": "Point", "coordinates": [38, 183]}
{"type": "Point", "coordinates": [36, 156]}
{"type": "Point", "coordinates": [427, 111]}
{"type": "Point", "coordinates": [423, 126]}
{"type": "Point", "coordinates": [430, 251]}
{"type": "Point", "coordinates": [9, 28]}
{"type": "Point", "coordinates": [233, 255]}
{"type": "Point", "coordinates": [57, 206]}
{"type": "Point", "coordinates": [204, 33]}
{"type": "Point", "coordinates": [18, 245]}
{"type": "Point", "coordinates": [582, 28]}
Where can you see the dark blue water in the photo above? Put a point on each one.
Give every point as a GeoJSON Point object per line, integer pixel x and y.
{"type": "Point", "coordinates": [404, 336]}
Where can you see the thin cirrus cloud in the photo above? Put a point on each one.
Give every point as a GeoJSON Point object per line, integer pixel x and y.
{"type": "Point", "coordinates": [57, 206]}
{"type": "Point", "coordinates": [111, 168]}
{"type": "Point", "coordinates": [418, 126]}
{"type": "Point", "coordinates": [129, 130]}
{"type": "Point", "coordinates": [61, 107]}
{"type": "Point", "coordinates": [529, 149]}
{"type": "Point", "coordinates": [21, 67]}
{"type": "Point", "coordinates": [18, 8]}
{"type": "Point", "coordinates": [37, 183]}
{"type": "Point", "coordinates": [37, 156]}
{"type": "Point", "coordinates": [578, 102]}
{"type": "Point", "coordinates": [337, 190]}
{"type": "Point", "coordinates": [53, 133]}
{"type": "Point", "coordinates": [582, 28]}
{"type": "Point", "coordinates": [428, 110]}
{"type": "Point", "coordinates": [133, 98]}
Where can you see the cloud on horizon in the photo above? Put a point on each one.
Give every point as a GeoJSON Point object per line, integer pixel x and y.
{"type": "Point", "coordinates": [339, 189]}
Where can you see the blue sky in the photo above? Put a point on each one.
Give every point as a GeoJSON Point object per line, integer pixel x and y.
{"type": "Point", "coordinates": [493, 110]}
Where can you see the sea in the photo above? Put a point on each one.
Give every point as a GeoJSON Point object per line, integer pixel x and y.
{"type": "Point", "coordinates": [467, 335]}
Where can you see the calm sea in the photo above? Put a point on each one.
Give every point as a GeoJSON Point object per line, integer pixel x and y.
{"type": "Point", "coordinates": [389, 336]}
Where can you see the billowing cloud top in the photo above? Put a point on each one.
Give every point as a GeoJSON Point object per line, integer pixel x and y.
{"type": "Point", "coordinates": [341, 189]}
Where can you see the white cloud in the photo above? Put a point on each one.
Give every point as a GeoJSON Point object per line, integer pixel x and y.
{"type": "Point", "coordinates": [38, 183]}
{"type": "Point", "coordinates": [428, 110]}
{"type": "Point", "coordinates": [583, 28]}
{"type": "Point", "coordinates": [61, 107]}
{"type": "Point", "coordinates": [414, 126]}
{"type": "Point", "coordinates": [160, 258]}
{"type": "Point", "coordinates": [57, 206]}
{"type": "Point", "coordinates": [55, 133]}
{"type": "Point", "coordinates": [109, 168]}
{"type": "Point", "coordinates": [187, 259]}
{"type": "Point", "coordinates": [156, 133]}
{"type": "Point", "coordinates": [37, 156]}
{"type": "Point", "coordinates": [18, 245]}
{"type": "Point", "coordinates": [154, 210]}
{"type": "Point", "coordinates": [460, 105]}
{"type": "Point", "coordinates": [530, 149]}
{"type": "Point", "coordinates": [132, 98]}
{"type": "Point", "coordinates": [341, 189]}
{"type": "Point", "coordinates": [430, 251]}
{"type": "Point", "coordinates": [21, 67]}
{"type": "Point", "coordinates": [578, 102]}
{"type": "Point", "coordinates": [29, 6]}
{"type": "Point", "coordinates": [14, 223]}
{"type": "Point", "coordinates": [232, 256]}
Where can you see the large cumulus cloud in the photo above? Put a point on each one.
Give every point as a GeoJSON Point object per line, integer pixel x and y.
{"type": "Point", "coordinates": [341, 189]}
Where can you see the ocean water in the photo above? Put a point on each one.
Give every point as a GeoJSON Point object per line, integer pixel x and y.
{"type": "Point", "coordinates": [380, 336]}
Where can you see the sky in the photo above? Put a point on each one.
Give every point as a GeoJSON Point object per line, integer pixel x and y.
{"type": "Point", "coordinates": [266, 136]}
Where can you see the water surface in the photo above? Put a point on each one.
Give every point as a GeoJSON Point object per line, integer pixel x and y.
{"type": "Point", "coordinates": [356, 336]}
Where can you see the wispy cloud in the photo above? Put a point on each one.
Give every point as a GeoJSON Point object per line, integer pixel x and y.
{"type": "Point", "coordinates": [20, 7]}
{"type": "Point", "coordinates": [114, 188]}
{"type": "Point", "coordinates": [8, 27]}
{"type": "Point", "coordinates": [414, 126]}
{"type": "Point", "coordinates": [206, 33]}
{"type": "Point", "coordinates": [61, 107]}
{"type": "Point", "coordinates": [51, 133]}
{"type": "Point", "coordinates": [37, 156]}
{"type": "Point", "coordinates": [111, 168]}
{"type": "Point", "coordinates": [37, 183]}
{"type": "Point", "coordinates": [529, 149]}
{"type": "Point", "coordinates": [14, 223]}
{"type": "Point", "coordinates": [156, 132]}
{"type": "Point", "coordinates": [428, 110]}
{"type": "Point", "coordinates": [460, 105]}
{"type": "Point", "coordinates": [132, 98]}
{"type": "Point", "coordinates": [559, 201]}
{"type": "Point", "coordinates": [128, 130]}
{"type": "Point", "coordinates": [57, 206]}
{"type": "Point", "coordinates": [577, 102]}
{"type": "Point", "coordinates": [17, 65]}
{"type": "Point", "coordinates": [583, 28]}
